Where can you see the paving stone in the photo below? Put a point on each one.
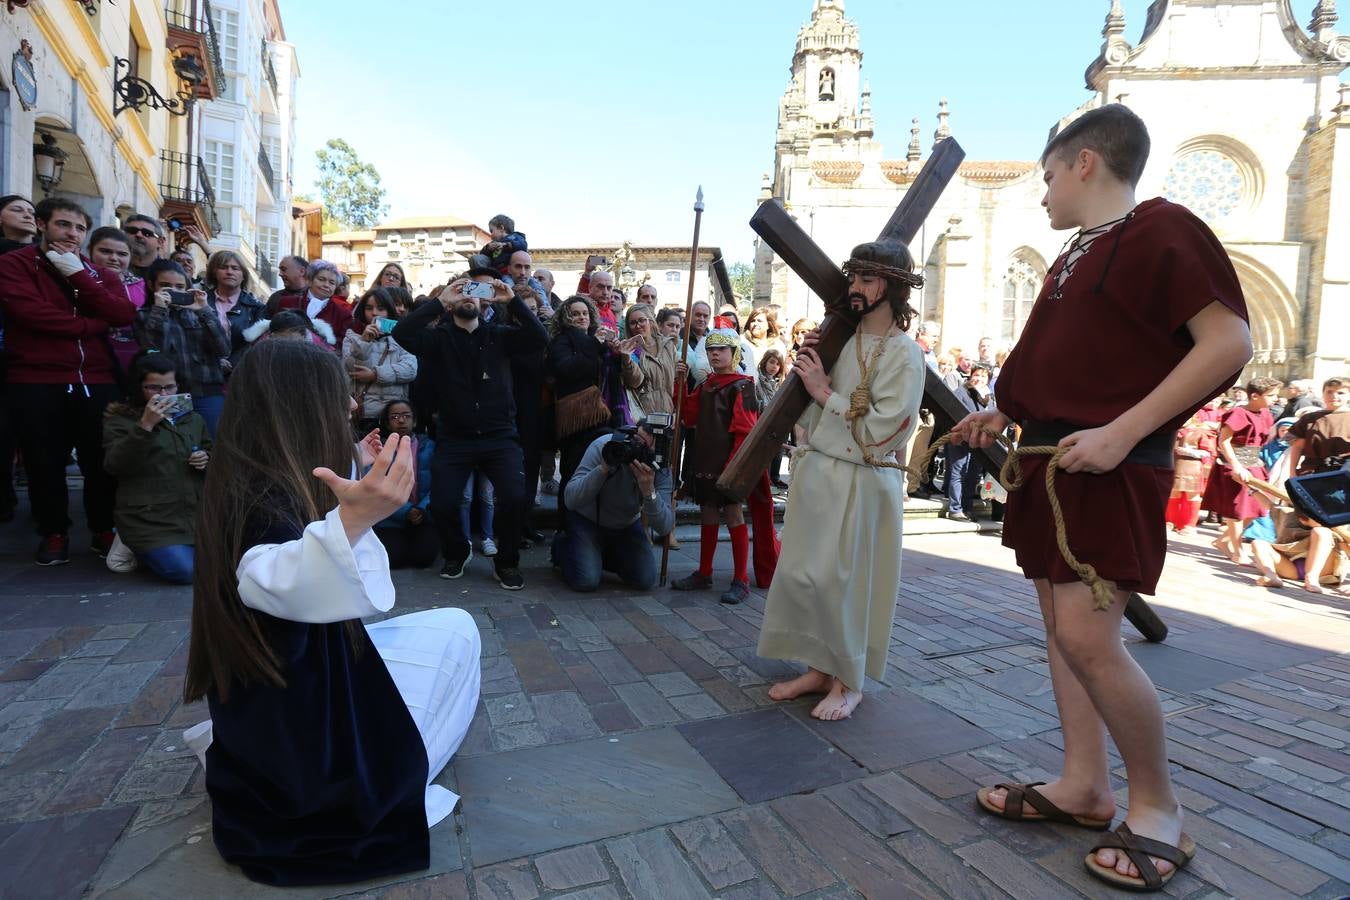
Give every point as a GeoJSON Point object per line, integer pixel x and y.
{"type": "Point", "coordinates": [895, 728]}
{"type": "Point", "coordinates": [690, 663]}
{"type": "Point", "coordinates": [57, 857]}
{"type": "Point", "coordinates": [1271, 812]}
{"type": "Point", "coordinates": [646, 658]}
{"type": "Point", "coordinates": [1232, 879]}
{"type": "Point", "coordinates": [868, 810]}
{"type": "Point", "coordinates": [589, 684]}
{"type": "Point", "coordinates": [647, 705]}
{"type": "Point", "coordinates": [156, 641]}
{"type": "Point", "coordinates": [26, 670]}
{"type": "Point", "coordinates": [933, 817]}
{"type": "Point", "coordinates": [64, 679]}
{"type": "Point", "coordinates": [155, 701]}
{"type": "Point", "coordinates": [571, 868]}
{"type": "Point", "coordinates": [61, 740]}
{"type": "Point", "coordinates": [1241, 647]}
{"type": "Point", "coordinates": [450, 886]}
{"type": "Point", "coordinates": [603, 892]}
{"type": "Point", "coordinates": [524, 802]}
{"type": "Point", "coordinates": [861, 860]}
{"type": "Point", "coordinates": [714, 853]}
{"type": "Point", "coordinates": [22, 794]}
{"type": "Point", "coordinates": [730, 697]}
{"type": "Point", "coordinates": [696, 706]}
{"type": "Point", "coordinates": [710, 653]}
{"type": "Point", "coordinates": [58, 645]}
{"type": "Point", "coordinates": [614, 667]}
{"type": "Point", "coordinates": [514, 737]}
{"type": "Point", "coordinates": [1301, 850]}
{"type": "Point", "coordinates": [93, 782]}
{"type": "Point", "coordinates": [564, 717]}
{"type": "Point", "coordinates": [651, 866]}
{"type": "Point", "coordinates": [787, 758]}
{"type": "Point", "coordinates": [1012, 873]}
{"type": "Point", "coordinates": [614, 717]}
{"type": "Point", "coordinates": [1172, 667]}
{"type": "Point", "coordinates": [96, 648]}
{"type": "Point", "coordinates": [953, 876]}
{"type": "Point", "coordinates": [117, 684]}
{"type": "Point", "coordinates": [1254, 856]}
{"type": "Point", "coordinates": [618, 632]}
{"type": "Point", "coordinates": [124, 632]}
{"type": "Point", "coordinates": [538, 671]}
{"type": "Point", "coordinates": [498, 676]}
{"type": "Point", "coordinates": [156, 782]}
{"type": "Point", "coordinates": [509, 709]}
{"type": "Point", "coordinates": [506, 881]}
{"type": "Point", "coordinates": [940, 779]}
{"type": "Point", "coordinates": [516, 630]}
{"type": "Point", "coordinates": [996, 714]}
{"type": "Point", "coordinates": [479, 738]}
{"type": "Point", "coordinates": [673, 684]}
{"type": "Point", "coordinates": [645, 624]}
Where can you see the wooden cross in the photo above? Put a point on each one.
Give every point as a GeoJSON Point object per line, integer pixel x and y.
{"type": "Point", "coordinates": [795, 247]}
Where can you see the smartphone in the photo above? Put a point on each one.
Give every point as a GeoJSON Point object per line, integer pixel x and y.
{"type": "Point", "coordinates": [178, 405]}
{"type": "Point", "coordinates": [479, 290]}
{"type": "Point", "coordinates": [181, 298]}
{"type": "Point", "coordinates": [386, 326]}
{"type": "Point", "coordinates": [603, 334]}
{"type": "Point", "coordinates": [593, 261]}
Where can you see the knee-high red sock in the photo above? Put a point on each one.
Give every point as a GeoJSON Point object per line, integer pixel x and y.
{"type": "Point", "coordinates": [707, 547]}
{"type": "Point", "coordinates": [740, 551]}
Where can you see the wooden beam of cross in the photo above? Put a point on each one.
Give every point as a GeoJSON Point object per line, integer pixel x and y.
{"type": "Point", "coordinates": [824, 278]}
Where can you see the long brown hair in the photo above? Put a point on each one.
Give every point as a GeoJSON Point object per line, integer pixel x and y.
{"type": "Point", "coordinates": [286, 413]}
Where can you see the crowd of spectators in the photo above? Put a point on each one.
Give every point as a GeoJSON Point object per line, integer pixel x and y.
{"type": "Point", "coordinates": [118, 350]}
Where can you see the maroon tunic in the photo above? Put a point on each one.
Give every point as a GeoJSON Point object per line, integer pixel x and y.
{"type": "Point", "coordinates": [1088, 357]}
{"type": "Point", "coordinates": [1225, 496]}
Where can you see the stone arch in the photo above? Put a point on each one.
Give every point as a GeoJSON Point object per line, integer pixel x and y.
{"type": "Point", "coordinates": [1022, 278]}
{"type": "Point", "coordinates": [78, 181]}
{"type": "Point", "coordinates": [826, 86]}
{"type": "Point", "coordinates": [1274, 317]}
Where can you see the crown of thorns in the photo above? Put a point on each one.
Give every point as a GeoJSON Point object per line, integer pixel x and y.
{"type": "Point", "coordinates": [868, 267]}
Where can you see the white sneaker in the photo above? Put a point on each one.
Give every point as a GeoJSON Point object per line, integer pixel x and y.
{"type": "Point", "coordinates": [120, 558]}
{"type": "Point", "coordinates": [489, 547]}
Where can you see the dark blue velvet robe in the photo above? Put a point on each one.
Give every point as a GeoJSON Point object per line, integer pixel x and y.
{"type": "Point", "coordinates": [322, 781]}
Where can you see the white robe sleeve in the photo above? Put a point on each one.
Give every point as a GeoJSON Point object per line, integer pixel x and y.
{"type": "Point", "coordinates": [319, 578]}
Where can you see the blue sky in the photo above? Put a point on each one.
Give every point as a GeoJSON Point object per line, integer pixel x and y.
{"type": "Point", "coordinates": [597, 121]}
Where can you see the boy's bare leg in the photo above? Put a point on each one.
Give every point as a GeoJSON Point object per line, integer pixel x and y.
{"type": "Point", "coordinates": [1320, 545]}
{"type": "Point", "coordinates": [1267, 563]}
{"type": "Point", "coordinates": [838, 704]}
{"type": "Point", "coordinates": [1084, 787]}
{"type": "Point", "coordinates": [1127, 702]}
{"type": "Point", "coordinates": [711, 514]}
{"type": "Point", "coordinates": [734, 514]}
{"type": "Point", "coordinates": [813, 682]}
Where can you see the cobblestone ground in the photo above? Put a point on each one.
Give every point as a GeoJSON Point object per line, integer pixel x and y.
{"type": "Point", "coordinates": [624, 746]}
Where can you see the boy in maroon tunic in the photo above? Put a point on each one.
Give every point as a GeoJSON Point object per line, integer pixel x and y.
{"type": "Point", "coordinates": [1243, 431]}
{"type": "Point", "coordinates": [1145, 291]}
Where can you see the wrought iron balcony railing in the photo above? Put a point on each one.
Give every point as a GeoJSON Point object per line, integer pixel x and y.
{"type": "Point", "coordinates": [183, 182]}
{"type": "Point", "coordinates": [265, 164]}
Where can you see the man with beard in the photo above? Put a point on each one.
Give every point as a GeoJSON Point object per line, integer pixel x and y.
{"type": "Point", "coordinates": [57, 310]}
{"type": "Point", "coordinates": [147, 240]}
{"type": "Point", "coordinates": [832, 607]}
{"type": "Point", "coordinates": [468, 362]}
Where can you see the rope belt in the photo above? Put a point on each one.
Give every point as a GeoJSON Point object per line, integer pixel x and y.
{"type": "Point", "coordinates": [1012, 478]}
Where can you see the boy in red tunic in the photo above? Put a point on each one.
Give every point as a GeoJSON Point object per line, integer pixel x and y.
{"type": "Point", "coordinates": [1144, 291]}
{"type": "Point", "coordinates": [723, 409]}
{"type": "Point", "coordinates": [1243, 431]}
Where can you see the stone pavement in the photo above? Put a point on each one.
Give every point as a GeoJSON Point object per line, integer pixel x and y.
{"type": "Point", "coordinates": [624, 746]}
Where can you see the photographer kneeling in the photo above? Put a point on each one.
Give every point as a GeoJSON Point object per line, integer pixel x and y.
{"type": "Point", "coordinates": [622, 478]}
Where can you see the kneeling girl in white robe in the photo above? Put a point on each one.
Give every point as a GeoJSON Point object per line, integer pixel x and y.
{"type": "Point", "coordinates": [325, 734]}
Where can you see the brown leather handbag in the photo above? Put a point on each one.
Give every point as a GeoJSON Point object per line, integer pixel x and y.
{"type": "Point", "coordinates": [580, 411]}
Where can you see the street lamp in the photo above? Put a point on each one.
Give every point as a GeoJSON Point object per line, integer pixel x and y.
{"type": "Point", "coordinates": [49, 162]}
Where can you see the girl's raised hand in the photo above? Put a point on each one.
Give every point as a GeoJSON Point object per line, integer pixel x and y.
{"type": "Point", "coordinates": [365, 501]}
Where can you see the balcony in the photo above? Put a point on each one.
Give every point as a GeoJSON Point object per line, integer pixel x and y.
{"type": "Point", "coordinates": [266, 273]}
{"type": "Point", "coordinates": [187, 192]}
{"type": "Point", "coordinates": [269, 70]}
{"type": "Point", "coordinates": [192, 35]}
{"type": "Point", "coordinates": [265, 166]}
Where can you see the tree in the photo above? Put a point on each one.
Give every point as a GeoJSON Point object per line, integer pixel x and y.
{"type": "Point", "coordinates": [350, 189]}
{"type": "Point", "coordinates": [742, 276]}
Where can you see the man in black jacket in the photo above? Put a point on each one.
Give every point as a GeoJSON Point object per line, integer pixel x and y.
{"type": "Point", "coordinates": [469, 364]}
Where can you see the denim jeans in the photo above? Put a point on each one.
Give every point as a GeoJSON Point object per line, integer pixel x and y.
{"type": "Point", "coordinates": [480, 489]}
{"type": "Point", "coordinates": [172, 563]}
{"type": "Point", "coordinates": [963, 479]}
{"type": "Point", "coordinates": [585, 551]}
{"type": "Point", "coordinates": [210, 408]}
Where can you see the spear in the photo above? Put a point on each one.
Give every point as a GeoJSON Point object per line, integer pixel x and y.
{"type": "Point", "coordinates": [679, 388]}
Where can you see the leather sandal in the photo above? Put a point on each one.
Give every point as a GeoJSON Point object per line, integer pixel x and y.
{"type": "Point", "coordinates": [1139, 849]}
{"type": "Point", "coordinates": [1042, 810]}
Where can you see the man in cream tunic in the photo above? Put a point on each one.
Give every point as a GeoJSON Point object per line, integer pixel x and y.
{"type": "Point", "coordinates": [832, 602]}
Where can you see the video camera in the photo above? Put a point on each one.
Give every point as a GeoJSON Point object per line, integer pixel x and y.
{"type": "Point", "coordinates": [631, 448]}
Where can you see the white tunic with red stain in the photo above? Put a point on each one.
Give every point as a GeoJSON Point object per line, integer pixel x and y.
{"type": "Point", "coordinates": [833, 597]}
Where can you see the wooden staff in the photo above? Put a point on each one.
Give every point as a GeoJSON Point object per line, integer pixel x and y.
{"type": "Point", "coordinates": [679, 388]}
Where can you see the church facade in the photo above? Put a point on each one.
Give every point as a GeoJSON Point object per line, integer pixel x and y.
{"type": "Point", "coordinates": [1250, 126]}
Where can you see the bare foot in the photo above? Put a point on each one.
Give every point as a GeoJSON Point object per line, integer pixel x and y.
{"type": "Point", "coordinates": [1160, 826]}
{"type": "Point", "coordinates": [812, 682]}
{"type": "Point", "coordinates": [1313, 587]}
{"type": "Point", "coordinates": [1086, 803]}
{"type": "Point", "coordinates": [838, 704]}
{"type": "Point", "coordinates": [1270, 581]}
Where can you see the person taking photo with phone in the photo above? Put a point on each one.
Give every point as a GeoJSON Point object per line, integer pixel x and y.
{"type": "Point", "coordinates": [380, 369]}
{"type": "Point", "coordinates": [181, 324]}
{"type": "Point", "coordinates": [468, 363]}
{"type": "Point", "coordinates": [158, 449]}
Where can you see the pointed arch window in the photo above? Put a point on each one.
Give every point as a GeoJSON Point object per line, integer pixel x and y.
{"type": "Point", "coordinates": [1021, 284]}
{"type": "Point", "coordinates": [826, 84]}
